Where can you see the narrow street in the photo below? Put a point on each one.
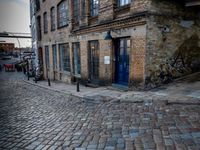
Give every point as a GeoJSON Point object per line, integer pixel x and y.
{"type": "Point", "coordinates": [35, 118]}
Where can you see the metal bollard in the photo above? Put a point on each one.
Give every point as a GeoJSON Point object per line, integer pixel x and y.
{"type": "Point", "coordinates": [77, 86]}
{"type": "Point", "coordinates": [49, 83]}
{"type": "Point", "coordinates": [35, 79]}
{"type": "Point", "coordinates": [28, 75]}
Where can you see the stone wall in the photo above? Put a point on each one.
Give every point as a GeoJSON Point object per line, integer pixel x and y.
{"type": "Point", "coordinates": [173, 47]}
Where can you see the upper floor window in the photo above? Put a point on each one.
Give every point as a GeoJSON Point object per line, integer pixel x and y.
{"type": "Point", "coordinates": [76, 10]}
{"type": "Point", "coordinates": [123, 2]}
{"type": "Point", "coordinates": [53, 17]}
{"type": "Point", "coordinates": [94, 8]}
{"type": "Point", "coordinates": [37, 5]}
{"type": "Point", "coordinates": [45, 22]}
{"type": "Point", "coordinates": [39, 31]}
{"type": "Point", "coordinates": [62, 13]}
{"type": "Point", "coordinates": [82, 8]}
{"type": "Point", "coordinates": [64, 52]}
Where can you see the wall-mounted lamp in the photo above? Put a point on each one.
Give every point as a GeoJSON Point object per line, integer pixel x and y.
{"type": "Point", "coordinates": [108, 36]}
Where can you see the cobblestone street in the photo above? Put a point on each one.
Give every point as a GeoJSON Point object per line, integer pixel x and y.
{"type": "Point", "coordinates": [35, 118]}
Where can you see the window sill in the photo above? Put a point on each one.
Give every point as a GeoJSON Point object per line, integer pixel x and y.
{"type": "Point", "coordinates": [124, 8]}
{"type": "Point", "coordinates": [62, 26]}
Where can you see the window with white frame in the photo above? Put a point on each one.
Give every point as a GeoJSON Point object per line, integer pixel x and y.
{"type": "Point", "coordinates": [94, 8]}
{"type": "Point", "coordinates": [64, 57]}
{"type": "Point", "coordinates": [62, 14]}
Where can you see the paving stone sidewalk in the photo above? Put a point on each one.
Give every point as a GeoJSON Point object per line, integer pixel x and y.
{"type": "Point", "coordinates": [186, 90]}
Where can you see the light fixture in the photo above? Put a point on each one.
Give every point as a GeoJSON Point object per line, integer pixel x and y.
{"type": "Point", "coordinates": [108, 36]}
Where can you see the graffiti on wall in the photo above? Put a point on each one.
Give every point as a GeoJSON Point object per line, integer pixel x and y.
{"type": "Point", "coordinates": [185, 60]}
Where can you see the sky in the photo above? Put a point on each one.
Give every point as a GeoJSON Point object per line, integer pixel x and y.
{"type": "Point", "coordinates": [15, 17]}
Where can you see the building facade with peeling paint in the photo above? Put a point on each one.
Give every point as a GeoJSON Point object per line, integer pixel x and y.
{"type": "Point", "coordinates": [125, 43]}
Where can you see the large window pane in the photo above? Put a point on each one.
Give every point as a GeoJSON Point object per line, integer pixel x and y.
{"type": "Point", "coordinates": [53, 17]}
{"type": "Point", "coordinates": [123, 2]}
{"type": "Point", "coordinates": [82, 8]}
{"type": "Point", "coordinates": [76, 9]}
{"type": "Point", "coordinates": [64, 57]}
{"type": "Point", "coordinates": [45, 22]}
{"type": "Point", "coordinates": [54, 56]}
{"type": "Point", "coordinates": [76, 59]}
{"type": "Point", "coordinates": [94, 7]}
{"type": "Point", "coordinates": [63, 13]}
{"type": "Point", "coordinates": [47, 56]}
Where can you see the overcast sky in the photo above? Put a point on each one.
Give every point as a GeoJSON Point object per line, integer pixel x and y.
{"type": "Point", "coordinates": [15, 17]}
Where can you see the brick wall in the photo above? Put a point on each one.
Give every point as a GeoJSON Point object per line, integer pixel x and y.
{"type": "Point", "coordinates": [105, 69]}
{"type": "Point", "coordinates": [106, 10]}
{"type": "Point", "coordinates": [138, 6]}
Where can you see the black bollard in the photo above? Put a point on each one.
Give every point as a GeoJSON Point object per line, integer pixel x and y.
{"type": "Point", "coordinates": [77, 86]}
{"type": "Point", "coordinates": [49, 83]}
{"type": "Point", "coordinates": [28, 75]}
{"type": "Point", "coordinates": [35, 79]}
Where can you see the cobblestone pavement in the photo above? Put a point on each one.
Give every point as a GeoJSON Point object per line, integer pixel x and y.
{"type": "Point", "coordinates": [35, 118]}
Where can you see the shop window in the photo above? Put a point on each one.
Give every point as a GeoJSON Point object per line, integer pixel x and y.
{"type": "Point", "coordinates": [76, 59]}
{"type": "Point", "coordinates": [54, 50]}
{"type": "Point", "coordinates": [47, 57]}
{"type": "Point", "coordinates": [64, 57]}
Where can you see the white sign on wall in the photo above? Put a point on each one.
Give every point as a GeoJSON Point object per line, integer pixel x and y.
{"type": "Point", "coordinates": [106, 60]}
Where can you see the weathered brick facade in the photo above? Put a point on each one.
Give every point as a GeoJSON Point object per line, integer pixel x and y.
{"type": "Point", "coordinates": [154, 28]}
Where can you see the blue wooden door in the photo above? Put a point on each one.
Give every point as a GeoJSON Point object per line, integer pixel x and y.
{"type": "Point", "coordinates": [122, 68]}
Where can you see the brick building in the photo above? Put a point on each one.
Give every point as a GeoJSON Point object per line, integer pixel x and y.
{"type": "Point", "coordinates": [7, 47]}
{"type": "Point", "coordinates": [124, 42]}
